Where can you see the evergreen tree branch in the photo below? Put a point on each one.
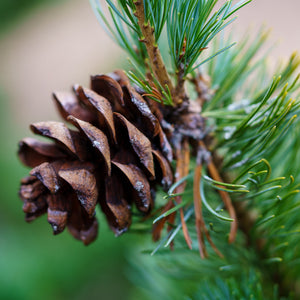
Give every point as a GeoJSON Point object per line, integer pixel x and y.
{"type": "Point", "coordinates": [247, 123]}
{"type": "Point", "coordinates": [153, 51]}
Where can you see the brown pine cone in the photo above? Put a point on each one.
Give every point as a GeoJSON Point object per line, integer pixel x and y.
{"type": "Point", "coordinates": [115, 154]}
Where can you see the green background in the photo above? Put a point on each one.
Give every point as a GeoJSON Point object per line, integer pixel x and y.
{"type": "Point", "coordinates": [34, 264]}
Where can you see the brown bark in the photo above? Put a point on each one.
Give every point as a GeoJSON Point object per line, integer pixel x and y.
{"type": "Point", "coordinates": [155, 58]}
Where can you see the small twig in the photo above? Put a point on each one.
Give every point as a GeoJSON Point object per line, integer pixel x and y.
{"type": "Point", "coordinates": [214, 173]}
{"type": "Point", "coordinates": [198, 211]}
{"type": "Point", "coordinates": [182, 170]}
{"type": "Point", "coordinates": [154, 54]}
{"type": "Point", "coordinates": [180, 90]}
{"type": "Point", "coordinates": [158, 226]}
{"type": "Point", "coordinates": [200, 225]}
{"type": "Point", "coordinates": [202, 86]}
{"type": "Point", "coordinates": [211, 242]}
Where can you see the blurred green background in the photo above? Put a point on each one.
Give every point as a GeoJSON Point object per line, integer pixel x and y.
{"type": "Point", "coordinates": [33, 263]}
{"type": "Point", "coordinates": [36, 265]}
{"type": "Point", "coordinates": [52, 44]}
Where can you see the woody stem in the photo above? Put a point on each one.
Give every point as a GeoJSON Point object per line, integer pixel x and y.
{"type": "Point", "coordinates": [157, 65]}
{"type": "Point", "coordinates": [180, 90]}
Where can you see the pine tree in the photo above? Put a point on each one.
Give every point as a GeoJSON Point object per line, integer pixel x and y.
{"type": "Point", "coordinates": [226, 223]}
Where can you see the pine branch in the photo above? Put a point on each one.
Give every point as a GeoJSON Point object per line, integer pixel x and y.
{"type": "Point", "coordinates": [191, 26]}
{"type": "Point", "coordinates": [154, 54]}
{"type": "Point", "coordinates": [247, 221]}
{"type": "Point", "coordinates": [180, 90]}
{"type": "Point", "coordinates": [245, 121]}
{"type": "Point", "coordinates": [253, 138]}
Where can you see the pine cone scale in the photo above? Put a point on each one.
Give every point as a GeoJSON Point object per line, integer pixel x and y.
{"type": "Point", "coordinates": [149, 124]}
{"type": "Point", "coordinates": [165, 145]}
{"type": "Point", "coordinates": [97, 138]}
{"type": "Point", "coordinates": [119, 216]}
{"type": "Point", "coordinates": [33, 152]}
{"type": "Point", "coordinates": [140, 144]}
{"type": "Point", "coordinates": [56, 131]}
{"type": "Point", "coordinates": [108, 88]}
{"type": "Point", "coordinates": [165, 173]}
{"type": "Point", "coordinates": [80, 225]}
{"type": "Point", "coordinates": [83, 182]}
{"type": "Point", "coordinates": [35, 203]}
{"type": "Point", "coordinates": [100, 106]}
{"type": "Point", "coordinates": [46, 174]}
{"type": "Point", "coordinates": [140, 188]}
{"type": "Point", "coordinates": [57, 219]}
{"type": "Point", "coordinates": [31, 189]}
{"type": "Point", "coordinates": [68, 104]}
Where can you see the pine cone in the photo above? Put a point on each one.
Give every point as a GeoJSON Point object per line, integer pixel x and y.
{"type": "Point", "coordinates": [115, 156]}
